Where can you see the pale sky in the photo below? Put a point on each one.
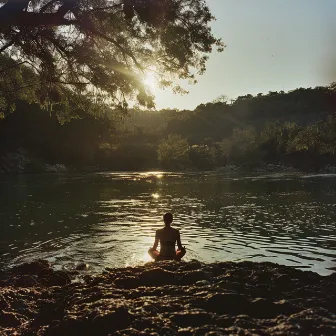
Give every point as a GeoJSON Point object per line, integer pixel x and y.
{"type": "Point", "coordinates": [272, 45]}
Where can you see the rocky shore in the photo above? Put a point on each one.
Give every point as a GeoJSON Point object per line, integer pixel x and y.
{"type": "Point", "coordinates": [168, 298]}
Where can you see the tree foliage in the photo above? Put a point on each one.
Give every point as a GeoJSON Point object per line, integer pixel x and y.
{"type": "Point", "coordinates": [316, 139]}
{"type": "Point", "coordinates": [241, 146]}
{"type": "Point", "coordinates": [173, 152]}
{"type": "Point", "coordinates": [16, 83]}
{"type": "Point", "coordinates": [296, 128]}
{"type": "Point", "coordinates": [109, 45]}
{"type": "Point", "coordinates": [20, 85]}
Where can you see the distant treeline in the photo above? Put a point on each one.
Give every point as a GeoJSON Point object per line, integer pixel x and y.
{"type": "Point", "coordinates": [58, 126]}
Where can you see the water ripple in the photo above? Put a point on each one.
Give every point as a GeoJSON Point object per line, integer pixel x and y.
{"type": "Point", "coordinates": [109, 219]}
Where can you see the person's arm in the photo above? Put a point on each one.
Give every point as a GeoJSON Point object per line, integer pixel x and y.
{"type": "Point", "coordinates": [179, 244]}
{"type": "Point", "coordinates": [156, 242]}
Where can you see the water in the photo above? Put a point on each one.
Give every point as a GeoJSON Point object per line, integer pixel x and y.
{"type": "Point", "coordinates": [109, 219]}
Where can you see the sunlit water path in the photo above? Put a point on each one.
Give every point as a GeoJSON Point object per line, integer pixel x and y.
{"type": "Point", "coordinates": [109, 219]}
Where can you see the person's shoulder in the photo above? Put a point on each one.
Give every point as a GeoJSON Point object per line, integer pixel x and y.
{"type": "Point", "coordinates": [176, 230]}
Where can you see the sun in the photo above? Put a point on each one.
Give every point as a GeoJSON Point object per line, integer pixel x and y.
{"type": "Point", "coordinates": [150, 81]}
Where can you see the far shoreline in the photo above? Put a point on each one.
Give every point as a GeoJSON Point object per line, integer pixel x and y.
{"type": "Point", "coordinates": [272, 168]}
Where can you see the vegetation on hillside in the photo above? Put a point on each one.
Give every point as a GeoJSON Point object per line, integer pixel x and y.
{"type": "Point", "coordinates": [296, 128]}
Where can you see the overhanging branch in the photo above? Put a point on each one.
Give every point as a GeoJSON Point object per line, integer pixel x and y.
{"type": "Point", "coordinates": [118, 45]}
{"type": "Point", "coordinates": [47, 5]}
{"type": "Point", "coordinates": [13, 14]}
{"type": "Point", "coordinates": [36, 19]}
{"type": "Point", "coordinates": [12, 66]}
{"type": "Point", "coordinates": [6, 46]}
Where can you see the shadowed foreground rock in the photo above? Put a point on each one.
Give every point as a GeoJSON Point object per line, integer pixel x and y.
{"type": "Point", "coordinates": [168, 299]}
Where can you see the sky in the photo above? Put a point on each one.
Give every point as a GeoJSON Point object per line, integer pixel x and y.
{"type": "Point", "coordinates": [272, 45]}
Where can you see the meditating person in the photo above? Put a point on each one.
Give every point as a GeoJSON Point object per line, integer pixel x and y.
{"type": "Point", "coordinates": [168, 238]}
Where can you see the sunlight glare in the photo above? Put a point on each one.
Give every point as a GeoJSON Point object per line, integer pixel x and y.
{"type": "Point", "coordinates": [150, 81]}
{"type": "Point", "coordinates": [137, 259]}
{"type": "Point", "coordinates": [146, 258]}
{"type": "Point", "coordinates": [156, 195]}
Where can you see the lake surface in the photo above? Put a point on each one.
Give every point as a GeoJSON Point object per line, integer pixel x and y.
{"type": "Point", "coordinates": [109, 219]}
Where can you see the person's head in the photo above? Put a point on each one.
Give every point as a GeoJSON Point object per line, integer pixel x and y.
{"type": "Point", "coordinates": [168, 218]}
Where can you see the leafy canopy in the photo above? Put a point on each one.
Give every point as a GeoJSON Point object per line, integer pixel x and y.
{"type": "Point", "coordinates": [107, 45]}
{"type": "Point", "coordinates": [173, 151]}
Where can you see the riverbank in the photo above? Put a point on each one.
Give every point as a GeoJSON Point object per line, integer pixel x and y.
{"type": "Point", "coordinates": [21, 162]}
{"type": "Point", "coordinates": [36, 167]}
{"type": "Point", "coordinates": [168, 299]}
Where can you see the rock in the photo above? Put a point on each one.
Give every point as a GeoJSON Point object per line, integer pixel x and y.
{"type": "Point", "coordinates": [191, 278]}
{"type": "Point", "coordinates": [69, 327]}
{"type": "Point", "coordinates": [111, 321]}
{"type": "Point", "coordinates": [168, 299]}
{"type": "Point", "coordinates": [191, 318]}
{"type": "Point", "coordinates": [128, 332]}
{"type": "Point", "coordinates": [315, 321]}
{"type": "Point", "coordinates": [9, 319]}
{"type": "Point", "coordinates": [3, 303]}
{"type": "Point", "coordinates": [82, 267]}
{"type": "Point", "coordinates": [203, 283]}
{"type": "Point", "coordinates": [127, 282]}
{"type": "Point", "coordinates": [284, 307]}
{"type": "Point", "coordinates": [49, 312]}
{"type": "Point", "coordinates": [32, 268]}
{"type": "Point", "coordinates": [55, 278]}
{"type": "Point", "coordinates": [229, 285]}
{"type": "Point", "coordinates": [157, 277]}
{"type": "Point", "coordinates": [193, 265]}
{"type": "Point", "coordinates": [262, 308]}
{"type": "Point", "coordinates": [185, 332]}
{"type": "Point", "coordinates": [26, 281]}
{"type": "Point", "coordinates": [224, 321]}
{"type": "Point", "coordinates": [225, 303]}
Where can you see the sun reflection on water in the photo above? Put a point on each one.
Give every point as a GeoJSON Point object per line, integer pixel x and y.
{"type": "Point", "coordinates": [152, 173]}
{"type": "Point", "coordinates": [113, 222]}
{"type": "Point", "coordinates": [138, 259]}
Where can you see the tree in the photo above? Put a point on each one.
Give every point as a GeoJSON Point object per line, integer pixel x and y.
{"type": "Point", "coordinates": [19, 85]}
{"type": "Point", "coordinates": [109, 45]}
{"type": "Point", "coordinates": [275, 136]}
{"type": "Point", "coordinates": [316, 139]}
{"type": "Point", "coordinates": [173, 152]}
{"type": "Point", "coordinates": [242, 146]}
{"type": "Point", "coordinates": [221, 99]}
{"type": "Point", "coordinates": [203, 157]}
{"type": "Point", "coordinates": [16, 83]}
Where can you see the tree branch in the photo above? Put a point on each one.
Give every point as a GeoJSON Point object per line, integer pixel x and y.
{"type": "Point", "coordinates": [11, 9]}
{"type": "Point", "coordinates": [71, 83]}
{"type": "Point", "coordinates": [104, 8]}
{"type": "Point", "coordinates": [32, 19]}
{"type": "Point", "coordinates": [66, 7]}
{"type": "Point", "coordinates": [31, 84]}
{"type": "Point", "coordinates": [11, 67]}
{"type": "Point", "coordinates": [118, 45]}
{"type": "Point", "coordinates": [15, 16]}
{"type": "Point", "coordinates": [47, 5]}
{"type": "Point", "coordinates": [7, 45]}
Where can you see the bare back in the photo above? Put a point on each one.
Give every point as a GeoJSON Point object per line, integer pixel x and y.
{"type": "Point", "coordinates": [168, 237]}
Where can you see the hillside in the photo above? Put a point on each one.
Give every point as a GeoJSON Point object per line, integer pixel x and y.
{"type": "Point", "coordinates": [296, 128]}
